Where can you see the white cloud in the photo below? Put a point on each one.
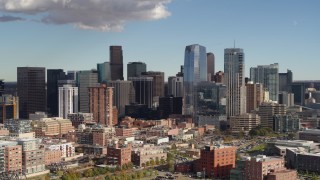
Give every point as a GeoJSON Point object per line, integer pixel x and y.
{"type": "Point", "coordinates": [103, 15]}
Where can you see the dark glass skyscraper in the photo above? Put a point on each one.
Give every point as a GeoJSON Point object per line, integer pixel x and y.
{"type": "Point", "coordinates": [143, 90]}
{"type": "Point", "coordinates": [195, 71]}
{"type": "Point", "coordinates": [53, 76]}
{"type": "Point", "coordinates": [31, 90]}
{"type": "Point", "coordinates": [210, 65]}
{"type": "Point", "coordinates": [116, 63]}
{"type": "Point", "coordinates": [268, 75]}
{"type": "Point", "coordinates": [134, 69]}
{"type": "Point", "coordinates": [104, 72]}
{"type": "Point", "coordinates": [1, 87]}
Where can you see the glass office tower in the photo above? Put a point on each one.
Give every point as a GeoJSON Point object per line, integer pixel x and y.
{"type": "Point", "coordinates": [195, 71]}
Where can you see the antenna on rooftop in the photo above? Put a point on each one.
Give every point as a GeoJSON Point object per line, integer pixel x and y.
{"type": "Point", "coordinates": [234, 43]}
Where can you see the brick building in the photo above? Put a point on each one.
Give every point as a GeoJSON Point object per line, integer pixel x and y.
{"type": "Point", "coordinates": [119, 154]}
{"type": "Point", "coordinates": [216, 161]}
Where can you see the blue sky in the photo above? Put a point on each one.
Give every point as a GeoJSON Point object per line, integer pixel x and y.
{"type": "Point", "coordinates": [285, 32]}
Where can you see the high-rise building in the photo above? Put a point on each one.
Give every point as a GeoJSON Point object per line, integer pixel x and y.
{"type": "Point", "coordinates": [53, 76]}
{"type": "Point", "coordinates": [286, 98]}
{"type": "Point", "coordinates": [1, 87]}
{"type": "Point", "coordinates": [268, 75]}
{"type": "Point", "coordinates": [86, 79]}
{"type": "Point", "coordinates": [123, 94]}
{"type": "Point", "coordinates": [175, 86]}
{"type": "Point", "coordinates": [267, 111]}
{"type": "Point", "coordinates": [216, 161]}
{"type": "Point", "coordinates": [134, 69]}
{"type": "Point", "coordinates": [234, 80]}
{"type": "Point", "coordinates": [72, 75]}
{"type": "Point", "coordinates": [116, 63]}
{"type": "Point", "coordinates": [244, 123]}
{"type": "Point", "coordinates": [210, 65]}
{"type": "Point", "coordinates": [195, 71]}
{"type": "Point", "coordinates": [219, 77]}
{"type": "Point", "coordinates": [255, 95]}
{"type": "Point", "coordinates": [170, 105]}
{"type": "Point", "coordinates": [209, 101]}
{"type": "Point", "coordinates": [158, 84]}
{"type": "Point", "coordinates": [285, 81]}
{"type": "Point", "coordinates": [68, 100]}
{"type": "Point", "coordinates": [31, 90]}
{"type": "Point", "coordinates": [8, 107]}
{"type": "Point", "coordinates": [104, 72]}
{"type": "Point", "coordinates": [101, 105]}
{"type": "Point", "coordinates": [143, 87]}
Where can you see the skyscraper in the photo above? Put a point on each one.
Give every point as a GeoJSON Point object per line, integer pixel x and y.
{"type": "Point", "coordinates": [116, 63]}
{"type": "Point", "coordinates": [1, 87]}
{"type": "Point", "coordinates": [134, 69]}
{"type": "Point", "coordinates": [175, 86]}
{"type": "Point", "coordinates": [123, 94]}
{"type": "Point", "coordinates": [285, 81]}
{"type": "Point", "coordinates": [86, 79]}
{"type": "Point", "coordinates": [68, 100]}
{"type": "Point", "coordinates": [104, 72]}
{"type": "Point", "coordinates": [53, 76]}
{"type": "Point", "coordinates": [268, 75]}
{"type": "Point", "coordinates": [143, 90]}
{"type": "Point", "coordinates": [158, 84]}
{"type": "Point", "coordinates": [255, 95]}
{"type": "Point", "coordinates": [234, 80]}
{"type": "Point", "coordinates": [194, 71]}
{"type": "Point", "coordinates": [31, 90]}
{"type": "Point", "coordinates": [210, 65]}
{"type": "Point", "coordinates": [101, 105]}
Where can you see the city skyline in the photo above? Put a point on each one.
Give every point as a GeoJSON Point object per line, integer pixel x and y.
{"type": "Point", "coordinates": [269, 32]}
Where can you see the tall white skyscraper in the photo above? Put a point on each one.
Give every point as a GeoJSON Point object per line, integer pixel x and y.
{"type": "Point", "coordinates": [268, 75]}
{"type": "Point", "coordinates": [68, 100]}
{"type": "Point", "coordinates": [234, 81]}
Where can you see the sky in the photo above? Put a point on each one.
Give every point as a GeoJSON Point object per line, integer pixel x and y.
{"type": "Point", "coordinates": [76, 34]}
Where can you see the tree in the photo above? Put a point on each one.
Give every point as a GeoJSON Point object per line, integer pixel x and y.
{"type": "Point", "coordinates": [147, 163]}
{"type": "Point", "coordinates": [171, 166]}
{"type": "Point", "coordinates": [152, 162]}
{"type": "Point", "coordinates": [88, 173]}
{"type": "Point", "coordinates": [157, 161]}
{"type": "Point", "coordinates": [241, 134]}
{"type": "Point", "coordinates": [162, 161]}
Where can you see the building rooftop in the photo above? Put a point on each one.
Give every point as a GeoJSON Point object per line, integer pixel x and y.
{"type": "Point", "coordinates": [311, 131]}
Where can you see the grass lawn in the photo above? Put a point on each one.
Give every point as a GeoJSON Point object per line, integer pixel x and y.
{"type": "Point", "coordinates": [258, 148]}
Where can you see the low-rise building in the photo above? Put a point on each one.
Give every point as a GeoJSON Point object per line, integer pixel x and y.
{"type": "Point", "coordinates": [80, 118]}
{"type": "Point", "coordinates": [303, 160]}
{"type": "Point", "coordinates": [52, 127]}
{"type": "Point", "coordinates": [310, 135]}
{"type": "Point", "coordinates": [52, 156]}
{"type": "Point", "coordinates": [119, 154]}
{"type": "Point", "coordinates": [141, 155]}
{"type": "Point", "coordinates": [261, 166]}
{"type": "Point", "coordinates": [10, 157]}
{"type": "Point", "coordinates": [216, 161]}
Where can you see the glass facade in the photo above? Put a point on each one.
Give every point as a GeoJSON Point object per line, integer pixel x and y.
{"type": "Point", "coordinates": [268, 75]}
{"type": "Point", "coordinates": [104, 72]}
{"type": "Point", "coordinates": [195, 71]}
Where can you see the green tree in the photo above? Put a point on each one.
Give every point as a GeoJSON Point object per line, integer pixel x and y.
{"type": "Point", "coordinates": [171, 166]}
{"type": "Point", "coordinates": [162, 161]}
{"type": "Point", "coordinates": [152, 162]}
{"type": "Point", "coordinates": [147, 163]}
{"type": "Point", "coordinates": [88, 173]}
{"type": "Point", "coordinates": [157, 161]}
